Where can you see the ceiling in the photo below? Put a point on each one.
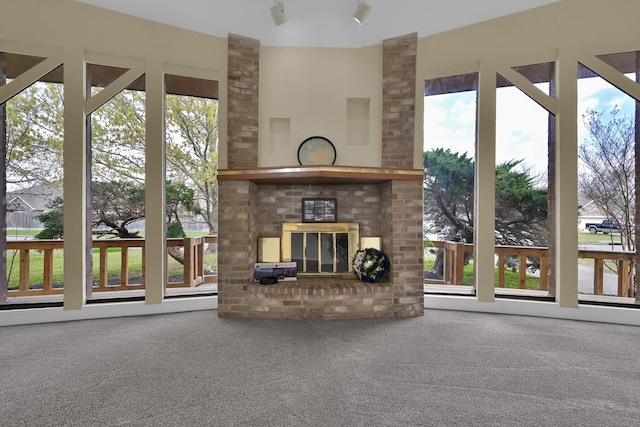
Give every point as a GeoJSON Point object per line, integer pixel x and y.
{"type": "Point", "coordinates": [319, 23]}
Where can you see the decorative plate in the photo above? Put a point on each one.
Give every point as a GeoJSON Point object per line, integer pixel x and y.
{"type": "Point", "coordinates": [316, 150]}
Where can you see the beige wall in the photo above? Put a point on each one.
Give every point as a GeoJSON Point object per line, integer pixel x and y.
{"type": "Point", "coordinates": [310, 88]}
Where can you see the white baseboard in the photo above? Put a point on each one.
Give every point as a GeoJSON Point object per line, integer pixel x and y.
{"type": "Point", "coordinates": [591, 313]}
{"type": "Point", "coordinates": [105, 310]}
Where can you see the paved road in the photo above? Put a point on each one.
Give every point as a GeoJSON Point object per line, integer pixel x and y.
{"type": "Point", "coordinates": [13, 237]}
{"type": "Point", "coordinates": [585, 281]}
{"type": "Point", "coordinates": [585, 273]}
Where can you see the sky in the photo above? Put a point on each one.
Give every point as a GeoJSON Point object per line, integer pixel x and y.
{"type": "Point", "coordinates": [521, 123]}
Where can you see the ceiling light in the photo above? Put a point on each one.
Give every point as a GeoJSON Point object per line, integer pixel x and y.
{"type": "Point", "coordinates": [361, 12]}
{"type": "Point", "coordinates": [277, 12]}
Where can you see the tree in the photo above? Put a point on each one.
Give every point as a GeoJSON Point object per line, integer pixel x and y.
{"type": "Point", "coordinates": [448, 188]}
{"type": "Point", "coordinates": [118, 138]}
{"type": "Point", "coordinates": [34, 136]}
{"type": "Point", "coordinates": [607, 173]}
{"type": "Point", "coordinates": [179, 199]}
{"type": "Point", "coordinates": [114, 206]}
{"type": "Point", "coordinates": [118, 204]}
{"type": "Point", "coordinates": [118, 132]}
{"type": "Point", "coordinates": [52, 221]}
{"type": "Point", "coordinates": [192, 150]}
{"type": "Point", "coordinates": [35, 141]}
{"type": "Point", "coordinates": [521, 209]}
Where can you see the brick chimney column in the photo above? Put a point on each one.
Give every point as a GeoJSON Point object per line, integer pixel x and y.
{"type": "Point", "coordinates": [237, 204]}
{"type": "Point", "coordinates": [402, 200]}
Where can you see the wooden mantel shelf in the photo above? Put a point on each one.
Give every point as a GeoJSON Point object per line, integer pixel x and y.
{"type": "Point", "coordinates": [319, 175]}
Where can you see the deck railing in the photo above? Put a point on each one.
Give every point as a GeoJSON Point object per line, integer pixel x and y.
{"type": "Point", "coordinates": [454, 261]}
{"type": "Point", "coordinates": [194, 266]}
{"type": "Point", "coordinates": [194, 272]}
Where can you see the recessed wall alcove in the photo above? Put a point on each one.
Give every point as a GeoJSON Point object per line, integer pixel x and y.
{"type": "Point", "coordinates": [254, 203]}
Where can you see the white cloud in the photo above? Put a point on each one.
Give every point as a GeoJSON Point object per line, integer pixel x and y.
{"type": "Point", "coordinates": [450, 123]}
{"type": "Point", "coordinates": [521, 129]}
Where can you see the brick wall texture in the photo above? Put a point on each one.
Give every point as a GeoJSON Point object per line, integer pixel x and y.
{"type": "Point", "coordinates": [328, 299]}
{"type": "Point", "coordinates": [399, 56]}
{"type": "Point", "coordinates": [243, 101]}
{"type": "Point", "coordinates": [237, 240]}
{"type": "Point", "coordinates": [283, 203]}
{"type": "Point", "coordinates": [402, 236]}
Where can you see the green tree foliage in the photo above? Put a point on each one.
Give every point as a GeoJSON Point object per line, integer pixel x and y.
{"type": "Point", "coordinates": [179, 198]}
{"type": "Point", "coordinates": [448, 192]}
{"type": "Point", "coordinates": [34, 133]}
{"type": "Point", "coordinates": [118, 204]}
{"type": "Point", "coordinates": [521, 209]}
{"type": "Point", "coordinates": [192, 150]}
{"type": "Point", "coordinates": [114, 206]}
{"type": "Point", "coordinates": [35, 146]}
{"type": "Point", "coordinates": [52, 221]}
{"type": "Point", "coordinates": [118, 138]}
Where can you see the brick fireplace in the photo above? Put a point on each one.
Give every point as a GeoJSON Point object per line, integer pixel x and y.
{"type": "Point", "coordinates": [254, 203]}
{"type": "Point", "coordinates": [386, 202]}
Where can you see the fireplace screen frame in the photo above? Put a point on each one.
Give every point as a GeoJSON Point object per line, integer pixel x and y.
{"type": "Point", "coordinates": [319, 248]}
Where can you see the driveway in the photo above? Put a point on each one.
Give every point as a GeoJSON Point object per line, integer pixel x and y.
{"type": "Point", "coordinates": [585, 273]}
{"type": "Point", "coordinates": [585, 281]}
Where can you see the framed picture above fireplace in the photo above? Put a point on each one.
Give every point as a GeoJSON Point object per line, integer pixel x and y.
{"type": "Point", "coordinates": [319, 210]}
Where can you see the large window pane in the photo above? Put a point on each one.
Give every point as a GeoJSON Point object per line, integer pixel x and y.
{"type": "Point", "coordinates": [606, 182]}
{"type": "Point", "coordinates": [449, 151]}
{"type": "Point", "coordinates": [191, 182]}
{"type": "Point", "coordinates": [117, 146]}
{"type": "Point", "coordinates": [522, 152]}
{"type": "Point", "coordinates": [31, 136]}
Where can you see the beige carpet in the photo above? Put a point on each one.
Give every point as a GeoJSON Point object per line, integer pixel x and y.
{"type": "Point", "coordinates": [446, 368]}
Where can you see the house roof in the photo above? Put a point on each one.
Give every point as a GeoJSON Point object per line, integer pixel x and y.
{"type": "Point", "coordinates": [319, 23]}
{"type": "Point", "coordinates": [591, 208]}
{"type": "Point", "coordinates": [37, 197]}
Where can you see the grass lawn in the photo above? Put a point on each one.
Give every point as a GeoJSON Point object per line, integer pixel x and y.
{"type": "Point", "coordinates": [22, 232]}
{"type": "Point", "coordinates": [588, 238]}
{"type": "Point", "coordinates": [511, 278]}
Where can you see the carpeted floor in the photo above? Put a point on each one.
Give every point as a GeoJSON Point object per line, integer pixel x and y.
{"type": "Point", "coordinates": [446, 368]}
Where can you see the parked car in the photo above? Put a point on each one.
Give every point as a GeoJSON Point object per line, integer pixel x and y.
{"type": "Point", "coordinates": [605, 227]}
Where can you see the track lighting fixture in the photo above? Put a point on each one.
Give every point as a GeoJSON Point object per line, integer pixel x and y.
{"type": "Point", "coordinates": [361, 12]}
{"type": "Point", "coordinates": [277, 13]}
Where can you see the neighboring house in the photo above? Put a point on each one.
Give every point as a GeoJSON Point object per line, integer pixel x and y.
{"type": "Point", "coordinates": [18, 204]}
{"type": "Point", "coordinates": [589, 212]}
{"type": "Point", "coordinates": [33, 199]}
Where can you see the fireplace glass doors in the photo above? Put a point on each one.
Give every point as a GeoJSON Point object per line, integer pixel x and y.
{"type": "Point", "coordinates": [320, 249]}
